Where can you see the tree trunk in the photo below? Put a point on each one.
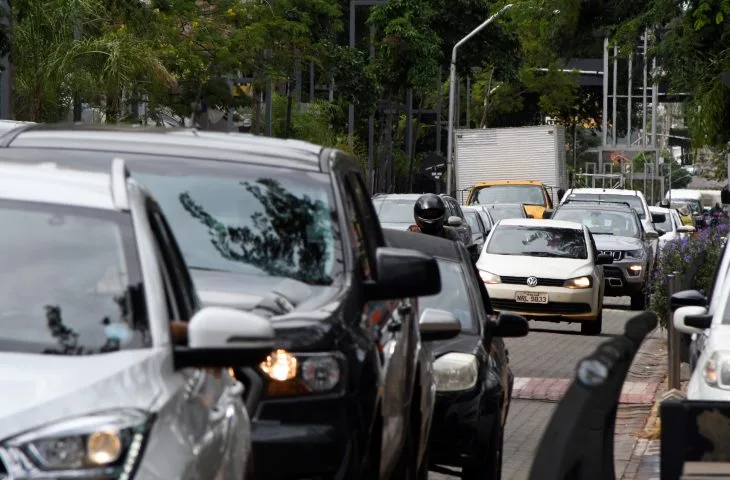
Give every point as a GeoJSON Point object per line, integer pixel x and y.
{"type": "Point", "coordinates": [386, 152]}
{"type": "Point", "coordinates": [485, 107]}
{"type": "Point", "coordinates": [416, 129]}
{"type": "Point", "coordinates": [287, 124]}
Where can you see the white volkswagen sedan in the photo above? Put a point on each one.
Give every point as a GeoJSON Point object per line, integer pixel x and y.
{"type": "Point", "coordinates": [545, 270]}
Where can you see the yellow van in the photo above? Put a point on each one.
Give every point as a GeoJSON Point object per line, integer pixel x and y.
{"type": "Point", "coordinates": [534, 195]}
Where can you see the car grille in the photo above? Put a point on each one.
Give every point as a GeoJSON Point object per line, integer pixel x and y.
{"type": "Point", "coordinates": [550, 307]}
{"type": "Point", "coordinates": [616, 254]}
{"type": "Point", "coordinates": [612, 272]}
{"type": "Point", "coordinates": [541, 282]}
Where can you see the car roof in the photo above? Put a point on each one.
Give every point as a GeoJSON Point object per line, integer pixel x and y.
{"type": "Point", "coordinates": [428, 244]}
{"type": "Point", "coordinates": [46, 183]}
{"type": "Point", "coordinates": [496, 183]}
{"type": "Point", "coordinates": [180, 142]}
{"type": "Point", "coordinates": [609, 191]}
{"type": "Point", "coordinates": [534, 222]}
{"type": "Point", "coordinates": [659, 209]}
{"type": "Point", "coordinates": [579, 205]}
{"type": "Point", "coordinates": [398, 196]}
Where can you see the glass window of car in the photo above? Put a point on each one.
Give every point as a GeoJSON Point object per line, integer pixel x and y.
{"type": "Point", "coordinates": [456, 298]}
{"type": "Point", "coordinates": [394, 210]}
{"type": "Point", "coordinates": [472, 218]}
{"type": "Point", "coordinates": [72, 282]}
{"type": "Point", "coordinates": [357, 232]}
{"type": "Point", "coordinates": [486, 219]}
{"type": "Point", "coordinates": [531, 194]}
{"type": "Point", "coordinates": [634, 201]}
{"type": "Point", "coordinates": [248, 219]}
{"type": "Point", "coordinates": [537, 241]}
{"type": "Point", "coordinates": [502, 212]}
{"type": "Point", "coordinates": [602, 222]}
{"type": "Point", "coordinates": [695, 206]}
{"type": "Point", "coordinates": [666, 225]}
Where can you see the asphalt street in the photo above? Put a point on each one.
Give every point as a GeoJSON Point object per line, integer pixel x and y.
{"type": "Point", "coordinates": [551, 350]}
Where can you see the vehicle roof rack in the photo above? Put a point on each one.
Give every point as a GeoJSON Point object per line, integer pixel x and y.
{"type": "Point", "coordinates": [119, 176]}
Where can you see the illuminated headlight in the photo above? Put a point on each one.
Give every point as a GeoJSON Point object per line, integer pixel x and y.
{"type": "Point", "coordinates": [303, 373]}
{"type": "Point", "coordinates": [455, 371]}
{"type": "Point", "coordinates": [488, 277]}
{"type": "Point", "coordinates": [635, 270]}
{"type": "Point", "coordinates": [105, 445]}
{"type": "Point", "coordinates": [635, 253]}
{"type": "Point", "coordinates": [579, 282]}
{"type": "Point", "coordinates": [716, 371]}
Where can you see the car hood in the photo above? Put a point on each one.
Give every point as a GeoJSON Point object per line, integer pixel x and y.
{"type": "Point", "coordinates": [301, 314]}
{"type": "Point", "coordinates": [519, 266]}
{"type": "Point", "coordinates": [396, 225]}
{"type": "Point", "coordinates": [42, 389]}
{"type": "Point", "coordinates": [613, 242]}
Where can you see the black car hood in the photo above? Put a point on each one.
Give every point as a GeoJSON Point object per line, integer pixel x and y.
{"type": "Point", "coordinates": [463, 343]}
{"type": "Point", "coordinates": [301, 314]}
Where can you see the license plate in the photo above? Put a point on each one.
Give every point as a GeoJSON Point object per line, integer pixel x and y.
{"type": "Point", "coordinates": [531, 297]}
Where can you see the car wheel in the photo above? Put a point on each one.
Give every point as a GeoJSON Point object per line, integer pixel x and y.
{"type": "Point", "coordinates": [486, 465]}
{"type": "Point", "coordinates": [638, 301]}
{"type": "Point", "coordinates": [593, 327]}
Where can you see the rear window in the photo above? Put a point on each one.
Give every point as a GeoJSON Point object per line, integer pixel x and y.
{"type": "Point", "coordinates": [502, 212]}
{"type": "Point", "coordinates": [602, 222]}
{"type": "Point", "coordinates": [537, 242]}
{"type": "Point", "coordinates": [70, 282]}
{"type": "Point", "coordinates": [531, 194]}
{"type": "Point", "coordinates": [394, 211]}
{"type": "Point", "coordinates": [634, 201]}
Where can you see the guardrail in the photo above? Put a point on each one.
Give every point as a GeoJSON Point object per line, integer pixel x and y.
{"type": "Point", "coordinates": [578, 441]}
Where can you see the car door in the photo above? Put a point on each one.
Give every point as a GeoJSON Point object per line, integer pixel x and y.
{"type": "Point", "coordinates": [212, 414]}
{"type": "Point", "coordinates": [396, 326]}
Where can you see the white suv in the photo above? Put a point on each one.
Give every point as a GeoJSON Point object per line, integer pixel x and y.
{"type": "Point", "coordinates": [110, 366]}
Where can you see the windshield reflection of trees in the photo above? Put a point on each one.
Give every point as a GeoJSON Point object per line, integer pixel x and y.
{"type": "Point", "coordinates": [68, 339]}
{"type": "Point", "coordinates": [286, 237]}
{"type": "Point", "coordinates": [559, 243]}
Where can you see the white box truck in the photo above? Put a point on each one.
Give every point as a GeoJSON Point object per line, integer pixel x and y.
{"type": "Point", "coordinates": [521, 153]}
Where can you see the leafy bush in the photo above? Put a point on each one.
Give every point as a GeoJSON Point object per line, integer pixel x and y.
{"type": "Point", "coordinates": [695, 258]}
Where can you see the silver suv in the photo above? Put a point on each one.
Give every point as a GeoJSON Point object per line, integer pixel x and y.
{"type": "Point", "coordinates": [115, 369]}
{"type": "Point", "coordinates": [617, 231]}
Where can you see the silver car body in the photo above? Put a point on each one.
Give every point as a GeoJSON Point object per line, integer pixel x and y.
{"type": "Point", "coordinates": [200, 428]}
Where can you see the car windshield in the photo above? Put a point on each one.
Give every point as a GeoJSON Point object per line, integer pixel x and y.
{"type": "Point", "coordinates": [473, 220]}
{"type": "Point", "coordinates": [695, 206]}
{"type": "Point", "coordinates": [537, 241]}
{"type": "Point", "coordinates": [502, 212]}
{"type": "Point", "coordinates": [602, 222]}
{"type": "Point", "coordinates": [394, 210]}
{"type": "Point", "coordinates": [248, 219]}
{"type": "Point", "coordinates": [454, 299]}
{"type": "Point", "coordinates": [71, 281]}
{"type": "Point", "coordinates": [666, 225]}
{"type": "Point", "coordinates": [634, 201]}
{"type": "Point", "coordinates": [531, 194]}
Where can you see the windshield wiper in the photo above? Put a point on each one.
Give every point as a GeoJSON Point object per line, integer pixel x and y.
{"type": "Point", "coordinates": [539, 254]}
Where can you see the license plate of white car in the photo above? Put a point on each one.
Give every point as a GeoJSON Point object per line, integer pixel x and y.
{"type": "Point", "coordinates": [531, 297]}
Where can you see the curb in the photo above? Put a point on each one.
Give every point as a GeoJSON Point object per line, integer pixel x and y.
{"type": "Point", "coordinates": [553, 390]}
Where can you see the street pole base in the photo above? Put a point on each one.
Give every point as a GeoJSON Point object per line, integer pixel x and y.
{"type": "Point", "coordinates": [674, 394]}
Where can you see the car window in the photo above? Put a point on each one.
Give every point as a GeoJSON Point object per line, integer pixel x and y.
{"type": "Point", "coordinates": [472, 218]}
{"type": "Point", "coordinates": [253, 220]}
{"type": "Point", "coordinates": [666, 225]}
{"type": "Point", "coordinates": [502, 212]}
{"type": "Point", "coordinates": [457, 209]}
{"type": "Point", "coordinates": [531, 194]}
{"type": "Point", "coordinates": [634, 201]}
{"type": "Point", "coordinates": [456, 298]}
{"type": "Point", "coordinates": [602, 222]}
{"type": "Point", "coordinates": [537, 242]}
{"type": "Point", "coordinates": [394, 210]}
{"type": "Point", "coordinates": [71, 281]}
{"type": "Point", "coordinates": [357, 232]}
{"type": "Point", "coordinates": [485, 219]}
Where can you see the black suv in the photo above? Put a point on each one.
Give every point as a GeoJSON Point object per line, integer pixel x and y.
{"type": "Point", "coordinates": [284, 229]}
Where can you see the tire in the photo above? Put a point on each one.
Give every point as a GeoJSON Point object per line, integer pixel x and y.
{"type": "Point", "coordinates": [638, 301]}
{"type": "Point", "coordinates": [486, 465]}
{"type": "Point", "coordinates": [593, 327]}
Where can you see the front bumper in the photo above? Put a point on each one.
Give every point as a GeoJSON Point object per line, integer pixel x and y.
{"type": "Point", "coordinates": [564, 303]}
{"type": "Point", "coordinates": [459, 419]}
{"type": "Point", "coordinates": [622, 278]}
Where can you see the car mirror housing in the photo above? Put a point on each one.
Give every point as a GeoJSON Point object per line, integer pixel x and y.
{"type": "Point", "coordinates": [403, 273]}
{"type": "Point", "coordinates": [509, 325]}
{"type": "Point", "coordinates": [691, 319]}
{"type": "Point", "coordinates": [437, 324]}
{"type": "Point", "coordinates": [454, 221]}
{"type": "Point", "coordinates": [688, 298]}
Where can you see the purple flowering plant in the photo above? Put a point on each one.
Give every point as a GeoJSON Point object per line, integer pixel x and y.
{"type": "Point", "coordinates": [694, 257]}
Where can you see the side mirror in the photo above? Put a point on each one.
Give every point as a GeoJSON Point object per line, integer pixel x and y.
{"type": "Point", "coordinates": [604, 259]}
{"type": "Point", "coordinates": [692, 319]}
{"type": "Point", "coordinates": [547, 214]}
{"type": "Point", "coordinates": [686, 229]}
{"type": "Point", "coordinates": [225, 337]}
{"type": "Point", "coordinates": [658, 218]}
{"type": "Point", "coordinates": [437, 324]}
{"type": "Point", "coordinates": [454, 221]}
{"type": "Point", "coordinates": [403, 273]}
{"type": "Point", "coordinates": [509, 325]}
{"type": "Point", "coordinates": [688, 298]}
{"type": "Point", "coordinates": [652, 235]}
{"type": "Point", "coordinates": [660, 231]}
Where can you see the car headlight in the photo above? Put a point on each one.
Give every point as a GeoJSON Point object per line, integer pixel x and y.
{"type": "Point", "coordinates": [104, 445]}
{"type": "Point", "coordinates": [716, 371]}
{"type": "Point", "coordinates": [635, 253]}
{"type": "Point", "coordinates": [292, 374]}
{"type": "Point", "coordinates": [579, 282]}
{"type": "Point", "coordinates": [455, 371]}
{"type": "Point", "coordinates": [488, 277]}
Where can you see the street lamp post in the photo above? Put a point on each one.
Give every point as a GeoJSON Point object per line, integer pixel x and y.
{"type": "Point", "coordinates": [452, 88]}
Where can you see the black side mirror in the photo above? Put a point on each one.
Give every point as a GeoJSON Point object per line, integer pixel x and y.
{"type": "Point", "coordinates": [403, 273]}
{"type": "Point", "coordinates": [509, 325]}
{"type": "Point", "coordinates": [688, 298]}
{"type": "Point", "coordinates": [547, 214]}
{"type": "Point", "coordinates": [604, 259]}
{"type": "Point", "coordinates": [660, 231]}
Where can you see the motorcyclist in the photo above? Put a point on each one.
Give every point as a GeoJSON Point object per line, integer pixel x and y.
{"type": "Point", "coordinates": [716, 210]}
{"type": "Point", "coordinates": [429, 213]}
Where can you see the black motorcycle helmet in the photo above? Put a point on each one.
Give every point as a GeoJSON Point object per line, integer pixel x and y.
{"type": "Point", "coordinates": [429, 213]}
